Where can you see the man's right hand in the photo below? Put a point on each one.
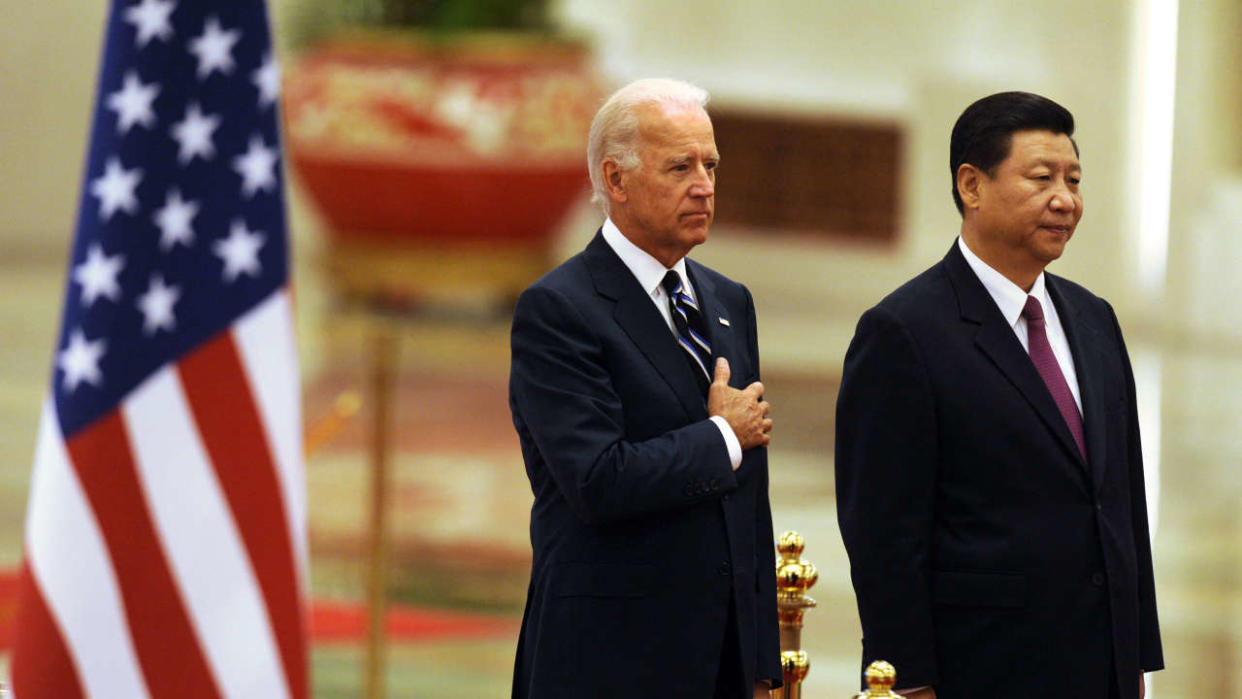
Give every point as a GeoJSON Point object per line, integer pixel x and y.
{"type": "Point", "coordinates": [744, 410]}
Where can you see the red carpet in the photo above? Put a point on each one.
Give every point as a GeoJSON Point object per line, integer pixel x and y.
{"type": "Point", "coordinates": [338, 622]}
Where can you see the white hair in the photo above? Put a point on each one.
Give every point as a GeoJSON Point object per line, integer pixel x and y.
{"type": "Point", "coordinates": [614, 131]}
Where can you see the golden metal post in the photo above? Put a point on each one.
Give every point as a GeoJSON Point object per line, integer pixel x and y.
{"type": "Point", "coordinates": [383, 351]}
{"type": "Point", "coordinates": [880, 676]}
{"type": "Point", "coordinates": [794, 577]}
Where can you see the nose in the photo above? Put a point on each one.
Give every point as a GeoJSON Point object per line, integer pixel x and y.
{"type": "Point", "coordinates": [1063, 200]}
{"type": "Point", "coordinates": [704, 184]}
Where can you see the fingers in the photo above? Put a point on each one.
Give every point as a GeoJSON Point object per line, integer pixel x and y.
{"type": "Point", "coordinates": [722, 372]}
{"type": "Point", "coordinates": [755, 390]}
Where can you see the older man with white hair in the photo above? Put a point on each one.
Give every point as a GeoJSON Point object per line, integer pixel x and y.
{"type": "Point", "coordinates": [635, 393]}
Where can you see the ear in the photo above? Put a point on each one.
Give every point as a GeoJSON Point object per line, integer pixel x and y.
{"type": "Point", "coordinates": [970, 181]}
{"type": "Point", "coordinates": [614, 181]}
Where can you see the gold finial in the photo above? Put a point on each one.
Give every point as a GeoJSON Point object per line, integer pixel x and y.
{"type": "Point", "coordinates": [880, 676]}
{"type": "Point", "coordinates": [794, 576]}
{"type": "Point", "coordinates": [795, 665]}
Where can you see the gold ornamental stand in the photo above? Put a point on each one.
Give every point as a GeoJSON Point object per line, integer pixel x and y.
{"type": "Point", "coordinates": [382, 373]}
{"type": "Point", "coordinates": [396, 285]}
{"type": "Point", "coordinates": [794, 576]}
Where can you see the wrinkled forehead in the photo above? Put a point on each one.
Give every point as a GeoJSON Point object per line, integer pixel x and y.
{"type": "Point", "coordinates": [674, 125]}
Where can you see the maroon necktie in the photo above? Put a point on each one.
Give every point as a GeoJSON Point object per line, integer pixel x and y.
{"type": "Point", "coordinates": [1048, 368]}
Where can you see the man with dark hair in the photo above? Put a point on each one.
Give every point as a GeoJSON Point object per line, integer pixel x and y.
{"type": "Point", "coordinates": [989, 478]}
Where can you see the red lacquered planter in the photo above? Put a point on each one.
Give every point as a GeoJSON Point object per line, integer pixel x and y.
{"type": "Point", "coordinates": [470, 147]}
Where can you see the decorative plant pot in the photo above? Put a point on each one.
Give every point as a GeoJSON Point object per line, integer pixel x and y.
{"type": "Point", "coordinates": [472, 146]}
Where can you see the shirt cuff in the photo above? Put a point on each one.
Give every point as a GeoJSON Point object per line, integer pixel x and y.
{"type": "Point", "coordinates": [731, 442]}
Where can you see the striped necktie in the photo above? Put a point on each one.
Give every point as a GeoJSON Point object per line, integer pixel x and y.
{"type": "Point", "coordinates": [691, 334]}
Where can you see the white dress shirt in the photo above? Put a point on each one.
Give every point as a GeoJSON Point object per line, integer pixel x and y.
{"type": "Point", "coordinates": [650, 274]}
{"type": "Point", "coordinates": [1011, 299]}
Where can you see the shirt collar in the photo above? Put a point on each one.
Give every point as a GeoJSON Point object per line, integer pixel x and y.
{"type": "Point", "coordinates": [646, 269]}
{"type": "Point", "coordinates": [1009, 297]}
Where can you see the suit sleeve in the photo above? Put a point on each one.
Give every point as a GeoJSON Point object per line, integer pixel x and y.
{"type": "Point", "coordinates": [886, 462]}
{"type": "Point", "coordinates": [768, 644]}
{"type": "Point", "coordinates": [563, 395]}
{"type": "Point", "coordinates": [1151, 656]}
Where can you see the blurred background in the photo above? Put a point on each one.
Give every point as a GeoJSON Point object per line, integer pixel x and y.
{"type": "Point", "coordinates": [833, 122]}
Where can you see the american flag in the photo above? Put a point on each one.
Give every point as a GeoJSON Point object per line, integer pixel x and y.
{"type": "Point", "coordinates": [165, 545]}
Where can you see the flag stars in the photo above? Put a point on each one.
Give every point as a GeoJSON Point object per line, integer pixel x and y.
{"type": "Point", "coordinates": [133, 103]}
{"type": "Point", "coordinates": [115, 189]}
{"type": "Point", "coordinates": [193, 134]}
{"type": "Point", "coordinates": [267, 79]}
{"type": "Point", "coordinates": [174, 219]}
{"type": "Point", "coordinates": [79, 361]}
{"type": "Point", "coordinates": [97, 275]}
{"type": "Point", "coordinates": [151, 20]}
{"type": "Point", "coordinates": [240, 252]}
{"type": "Point", "coordinates": [157, 306]}
{"type": "Point", "coordinates": [256, 167]}
{"type": "Point", "coordinates": [214, 48]}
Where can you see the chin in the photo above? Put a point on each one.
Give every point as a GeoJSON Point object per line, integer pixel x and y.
{"type": "Point", "coordinates": [696, 234]}
{"type": "Point", "coordinates": [1050, 253]}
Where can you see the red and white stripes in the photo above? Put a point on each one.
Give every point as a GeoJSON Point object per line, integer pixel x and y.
{"type": "Point", "coordinates": [165, 542]}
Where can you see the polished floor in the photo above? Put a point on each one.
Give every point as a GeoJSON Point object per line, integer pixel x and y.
{"type": "Point", "coordinates": [460, 496]}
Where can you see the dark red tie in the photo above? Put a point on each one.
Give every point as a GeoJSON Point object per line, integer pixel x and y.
{"type": "Point", "coordinates": [1047, 366]}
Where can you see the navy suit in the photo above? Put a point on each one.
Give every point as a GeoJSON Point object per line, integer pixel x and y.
{"type": "Point", "coordinates": [643, 535]}
{"type": "Point", "coordinates": [988, 558]}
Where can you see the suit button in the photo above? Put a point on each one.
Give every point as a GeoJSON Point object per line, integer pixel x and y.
{"type": "Point", "coordinates": [724, 498]}
{"type": "Point", "coordinates": [723, 569]}
{"type": "Point", "coordinates": [713, 483]}
{"type": "Point", "coordinates": [1097, 579]}
{"type": "Point", "coordinates": [1098, 506]}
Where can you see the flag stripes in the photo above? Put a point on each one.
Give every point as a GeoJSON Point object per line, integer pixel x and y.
{"type": "Point", "coordinates": [44, 661]}
{"type": "Point", "coordinates": [225, 413]}
{"type": "Point", "coordinates": [202, 539]}
{"type": "Point", "coordinates": [191, 581]}
{"type": "Point", "coordinates": [167, 647]}
{"type": "Point", "coordinates": [265, 340]}
{"type": "Point", "coordinates": [72, 577]}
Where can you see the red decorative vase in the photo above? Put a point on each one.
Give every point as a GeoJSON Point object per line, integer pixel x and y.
{"type": "Point", "coordinates": [474, 142]}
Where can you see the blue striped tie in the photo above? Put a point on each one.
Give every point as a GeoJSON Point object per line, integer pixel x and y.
{"type": "Point", "coordinates": [691, 334]}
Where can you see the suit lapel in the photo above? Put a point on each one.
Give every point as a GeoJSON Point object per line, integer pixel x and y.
{"type": "Point", "coordinates": [996, 339]}
{"type": "Point", "coordinates": [1085, 346]}
{"type": "Point", "coordinates": [639, 319]}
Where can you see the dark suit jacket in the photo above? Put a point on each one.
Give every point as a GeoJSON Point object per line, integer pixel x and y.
{"type": "Point", "coordinates": [642, 533]}
{"type": "Point", "coordinates": [988, 559]}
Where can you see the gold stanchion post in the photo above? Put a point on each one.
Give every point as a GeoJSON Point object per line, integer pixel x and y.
{"type": "Point", "coordinates": [794, 577]}
{"type": "Point", "coordinates": [382, 361]}
{"type": "Point", "coordinates": [880, 676]}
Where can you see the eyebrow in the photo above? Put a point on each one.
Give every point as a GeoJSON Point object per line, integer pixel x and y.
{"type": "Point", "coordinates": [1054, 164]}
{"type": "Point", "coordinates": [680, 159]}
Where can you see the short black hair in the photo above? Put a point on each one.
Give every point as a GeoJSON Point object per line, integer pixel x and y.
{"type": "Point", "coordinates": [984, 132]}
